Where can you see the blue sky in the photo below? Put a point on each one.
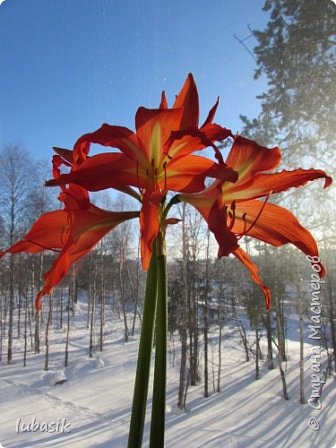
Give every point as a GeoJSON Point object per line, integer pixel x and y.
{"type": "Point", "coordinates": [67, 66]}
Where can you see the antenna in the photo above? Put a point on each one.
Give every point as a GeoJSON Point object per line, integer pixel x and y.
{"type": "Point", "coordinates": [241, 41]}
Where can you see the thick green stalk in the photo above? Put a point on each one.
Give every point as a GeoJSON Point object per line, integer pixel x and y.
{"type": "Point", "coordinates": [159, 387]}
{"type": "Point", "coordinates": [144, 357]}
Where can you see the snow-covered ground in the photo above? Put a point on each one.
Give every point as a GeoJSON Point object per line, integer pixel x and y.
{"type": "Point", "coordinates": [92, 407]}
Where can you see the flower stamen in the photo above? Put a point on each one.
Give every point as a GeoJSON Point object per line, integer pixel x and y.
{"type": "Point", "coordinates": [257, 217]}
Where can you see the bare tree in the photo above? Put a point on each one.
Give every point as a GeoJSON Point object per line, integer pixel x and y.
{"type": "Point", "coordinates": [15, 183]}
{"type": "Point", "coordinates": [47, 330]}
{"type": "Point", "coordinates": [183, 323]}
{"type": "Point", "coordinates": [206, 318]}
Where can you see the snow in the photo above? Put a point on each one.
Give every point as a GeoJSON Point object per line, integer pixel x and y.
{"type": "Point", "coordinates": [89, 401]}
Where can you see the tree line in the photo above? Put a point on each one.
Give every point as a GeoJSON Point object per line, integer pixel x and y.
{"type": "Point", "coordinates": [207, 297]}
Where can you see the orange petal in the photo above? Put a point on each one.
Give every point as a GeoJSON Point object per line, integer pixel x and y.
{"type": "Point", "coordinates": [115, 137]}
{"type": "Point", "coordinates": [185, 142]}
{"type": "Point", "coordinates": [49, 232]}
{"type": "Point", "coordinates": [249, 158]}
{"type": "Point", "coordinates": [163, 103]}
{"type": "Point", "coordinates": [187, 174]}
{"type": "Point", "coordinates": [66, 154]}
{"type": "Point", "coordinates": [215, 132]}
{"type": "Point", "coordinates": [264, 184]}
{"type": "Point", "coordinates": [104, 171]}
{"type": "Point", "coordinates": [216, 216]}
{"type": "Point", "coordinates": [248, 263]}
{"type": "Point", "coordinates": [211, 114]}
{"type": "Point", "coordinates": [227, 240]}
{"type": "Point", "coordinates": [75, 197]}
{"type": "Point", "coordinates": [153, 128]}
{"type": "Point", "coordinates": [275, 225]}
{"type": "Point", "coordinates": [87, 229]}
{"type": "Point", "coordinates": [188, 100]}
{"type": "Point", "coordinates": [149, 228]}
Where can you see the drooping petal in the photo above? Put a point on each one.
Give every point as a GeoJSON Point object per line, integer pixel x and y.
{"type": "Point", "coordinates": [185, 142]}
{"type": "Point", "coordinates": [217, 222]}
{"type": "Point", "coordinates": [214, 212]}
{"type": "Point", "coordinates": [275, 225]}
{"type": "Point", "coordinates": [49, 232]}
{"type": "Point", "coordinates": [254, 271]}
{"type": "Point", "coordinates": [104, 171]}
{"type": "Point", "coordinates": [118, 137]}
{"type": "Point", "coordinates": [216, 133]}
{"type": "Point", "coordinates": [149, 227]}
{"type": "Point", "coordinates": [188, 100]}
{"type": "Point", "coordinates": [86, 230]}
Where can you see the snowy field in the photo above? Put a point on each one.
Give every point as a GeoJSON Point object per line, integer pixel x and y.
{"type": "Point", "coordinates": [91, 408]}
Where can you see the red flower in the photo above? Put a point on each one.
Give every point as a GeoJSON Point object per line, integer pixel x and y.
{"type": "Point", "coordinates": [235, 210]}
{"type": "Point", "coordinates": [156, 158]}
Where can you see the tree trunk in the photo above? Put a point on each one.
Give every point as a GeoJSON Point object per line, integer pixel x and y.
{"type": "Point", "coordinates": [220, 337]}
{"type": "Point", "coordinates": [93, 309]}
{"type": "Point", "coordinates": [257, 374]}
{"type": "Point", "coordinates": [280, 334]}
{"type": "Point", "coordinates": [270, 364]}
{"type": "Point", "coordinates": [11, 310]}
{"type": "Point", "coordinates": [243, 335]}
{"type": "Point", "coordinates": [122, 287]}
{"type": "Point", "coordinates": [66, 355]}
{"type": "Point", "coordinates": [37, 331]}
{"type": "Point", "coordinates": [206, 320]}
{"type": "Point", "coordinates": [102, 303]}
{"type": "Point", "coordinates": [302, 394]}
{"type": "Point", "coordinates": [181, 401]}
{"type": "Point", "coordinates": [25, 329]}
{"type": "Point", "coordinates": [46, 363]}
{"type": "Point", "coordinates": [136, 302]}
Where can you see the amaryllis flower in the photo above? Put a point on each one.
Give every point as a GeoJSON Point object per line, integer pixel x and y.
{"type": "Point", "coordinates": [72, 232]}
{"type": "Point", "coordinates": [157, 158]}
{"type": "Point", "coordinates": [234, 210]}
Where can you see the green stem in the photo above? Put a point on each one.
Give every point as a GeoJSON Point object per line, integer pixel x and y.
{"type": "Point", "coordinates": [159, 387]}
{"type": "Point", "coordinates": [144, 357]}
{"type": "Point", "coordinates": [174, 200]}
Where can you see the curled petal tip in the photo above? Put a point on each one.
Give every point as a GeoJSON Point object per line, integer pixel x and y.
{"type": "Point", "coordinates": [38, 300]}
{"type": "Point", "coordinates": [49, 183]}
{"type": "Point", "coordinates": [327, 181]}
